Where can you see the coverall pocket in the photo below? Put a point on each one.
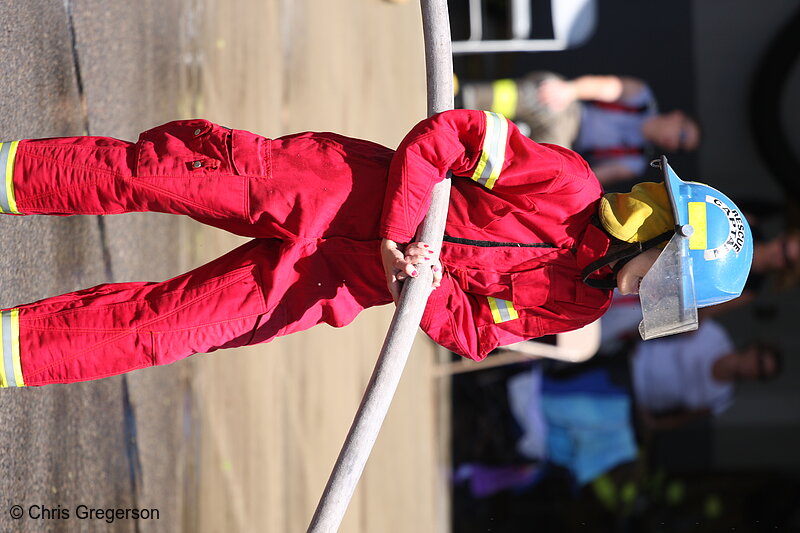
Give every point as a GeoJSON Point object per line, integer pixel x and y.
{"type": "Point", "coordinates": [486, 215]}
{"type": "Point", "coordinates": [494, 208]}
{"type": "Point", "coordinates": [221, 312]}
{"type": "Point", "coordinates": [567, 289]}
{"type": "Point", "coordinates": [184, 147]}
{"type": "Point", "coordinates": [188, 168]}
{"type": "Point", "coordinates": [249, 153]}
{"type": "Point", "coordinates": [531, 288]}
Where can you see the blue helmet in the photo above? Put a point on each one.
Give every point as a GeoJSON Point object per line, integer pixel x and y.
{"type": "Point", "coordinates": [720, 240]}
{"type": "Point", "coordinates": [705, 263]}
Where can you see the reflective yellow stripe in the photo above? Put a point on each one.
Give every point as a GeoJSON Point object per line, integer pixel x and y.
{"type": "Point", "coordinates": [492, 306]}
{"type": "Point", "coordinates": [493, 151]}
{"type": "Point", "coordinates": [512, 312]}
{"type": "Point", "coordinates": [12, 155]}
{"type": "Point", "coordinates": [10, 365]}
{"type": "Point", "coordinates": [8, 152]}
{"type": "Point", "coordinates": [500, 152]}
{"type": "Point", "coordinates": [3, 380]}
{"type": "Point", "coordinates": [504, 97]}
{"type": "Point", "coordinates": [483, 161]}
{"type": "Point", "coordinates": [502, 310]}
{"type": "Point", "coordinates": [15, 348]}
{"type": "Point", "coordinates": [697, 219]}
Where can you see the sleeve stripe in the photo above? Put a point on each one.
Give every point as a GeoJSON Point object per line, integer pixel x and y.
{"type": "Point", "coordinates": [493, 153]}
{"type": "Point", "coordinates": [502, 310]}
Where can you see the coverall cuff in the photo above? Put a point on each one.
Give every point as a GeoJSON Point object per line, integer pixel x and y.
{"type": "Point", "coordinates": [397, 235]}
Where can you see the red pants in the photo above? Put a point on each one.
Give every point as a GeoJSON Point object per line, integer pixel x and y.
{"type": "Point", "coordinates": [312, 202]}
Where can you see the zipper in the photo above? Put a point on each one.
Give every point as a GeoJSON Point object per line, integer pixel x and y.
{"type": "Point", "coordinates": [495, 244]}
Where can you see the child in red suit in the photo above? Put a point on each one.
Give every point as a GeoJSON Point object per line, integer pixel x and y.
{"type": "Point", "coordinates": [331, 218]}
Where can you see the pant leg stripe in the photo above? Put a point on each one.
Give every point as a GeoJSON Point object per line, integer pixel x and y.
{"type": "Point", "coordinates": [8, 152]}
{"type": "Point", "coordinates": [5, 148]}
{"type": "Point", "coordinates": [15, 348]}
{"type": "Point", "coordinates": [8, 350]}
{"type": "Point", "coordinates": [3, 380]}
{"type": "Point", "coordinates": [12, 369]}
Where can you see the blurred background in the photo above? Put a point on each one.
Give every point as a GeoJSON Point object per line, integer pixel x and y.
{"type": "Point", "coordinates": [245, 440]}
{"type": "Point", "coordinates": [735, 67]}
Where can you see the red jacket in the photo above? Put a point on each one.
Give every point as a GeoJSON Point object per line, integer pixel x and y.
{"type": "Point", "coordinates": [519, 230]}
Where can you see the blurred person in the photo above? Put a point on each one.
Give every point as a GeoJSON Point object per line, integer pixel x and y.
{"type": "Point", "coordinates": [694, 375]}
{"type": "Point", "coordinates": [679, 378]}
{"type": "Point", "coordinates": [776, 260]}
{"type": "Point", "coordinates": [583, 416]}
{"type": "Point", "coordinates": [584, 427]}
{"type": "Point", "coordinates": [776, 243]}
{"type": "Point", "coordinates": [532, 246]}
{"type": "Point", "coordinates": [779, 256]}
{"type": "Point", "coordinates": [612, 121]}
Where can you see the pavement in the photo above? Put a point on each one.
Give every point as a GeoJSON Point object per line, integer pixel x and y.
{"type": "Point", "coordinates": [111, 69]}
{"type": "Point", "coordinates": [240, 441]}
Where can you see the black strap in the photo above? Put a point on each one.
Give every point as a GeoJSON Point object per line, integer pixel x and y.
{"type": "Point", "coordinates": [621, 257]}
{"type": "Point", "coordinates": [493, 244]}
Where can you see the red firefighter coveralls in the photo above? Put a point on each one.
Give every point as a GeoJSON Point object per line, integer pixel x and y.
{"type": "Point", "coordinates": [519, 231]}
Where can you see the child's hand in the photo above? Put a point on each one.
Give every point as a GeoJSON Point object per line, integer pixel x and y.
{"type": "Point", "coordinates": [399, 264]}
{"type": "Point", "coordinates": [419, 252]}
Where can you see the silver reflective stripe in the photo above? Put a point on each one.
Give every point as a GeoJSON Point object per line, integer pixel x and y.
{"type": "Point", "coordinates": [8, 350]}
{"type": "Point", "coordinates": [502, 308]}
{"type": "Point", "coordinates": [491, 147]}
{"type": "Point", "coordinates": [5, 149]}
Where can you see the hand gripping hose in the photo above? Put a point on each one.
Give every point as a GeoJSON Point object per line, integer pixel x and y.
{"type": "Point", "coordinates": [394, 354]}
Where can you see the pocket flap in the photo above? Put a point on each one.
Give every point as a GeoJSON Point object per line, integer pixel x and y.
{"type": "Point", "coordinates": [173, 149]}
{"type": "Point", "coordinates": [530, 288]}
{"type": "Point", "coordinates": [249, 153]}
